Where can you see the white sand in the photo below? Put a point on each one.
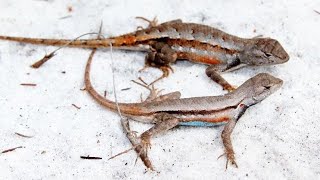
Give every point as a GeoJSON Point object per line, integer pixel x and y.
{"type": "Point", "coordinates": [276, 139]}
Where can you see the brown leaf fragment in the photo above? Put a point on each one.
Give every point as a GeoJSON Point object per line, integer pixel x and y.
{"type": "Point", "coordinates": [11, 149]}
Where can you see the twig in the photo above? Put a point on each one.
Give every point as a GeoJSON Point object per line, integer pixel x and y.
{"type": "Point", "coordinates": [65, 17]}
{"type": "Point", "coordinates": [125, 89]}
{"type": "Point", "coordinates": [43, 60]}
{"type": "Point", "coordinates": [125, 125]}
{"type": "Point", "coordinates": [53, 53]}
{"type": "Point", "coordinates": [123, 152]}
{"type": "Point", "coordinates": [90, 57]}
{"type": "Point", "coordinates": [124, 122]}
{"type": "Point", "coordinates": [12, 149]}
{"type": "Point", "coordinates": [105, 94]}
{"type": "Point", "coordinates": [76, 106]}
{"type": "Point", "coordinates": [22, 135]}
{"type": "Point", "coordinates": [28, 84]}
{"type": "Point", "coordinates": [90, 157]}
{"type": "Point", "coordinates": [316, 11]}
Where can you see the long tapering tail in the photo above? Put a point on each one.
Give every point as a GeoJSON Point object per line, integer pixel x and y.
{"type": "Point", "coordinates": [126, 108]}
{"type": "Point", "coordinates": [83, 43]}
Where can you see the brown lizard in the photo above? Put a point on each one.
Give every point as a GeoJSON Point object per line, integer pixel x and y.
{"type": "Point", "coordinates": [175, 40]}
{"type": "Point", "coordinates": [168, 111]}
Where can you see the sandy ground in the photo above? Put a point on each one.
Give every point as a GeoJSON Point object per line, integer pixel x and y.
{"type": "Point", "coordinates": [276, 139]}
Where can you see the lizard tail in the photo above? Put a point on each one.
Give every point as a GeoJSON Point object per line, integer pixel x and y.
{"type": "Point", "coordinates": [86, 43]}
{"type": "Point", "coordinates": [125, 108]}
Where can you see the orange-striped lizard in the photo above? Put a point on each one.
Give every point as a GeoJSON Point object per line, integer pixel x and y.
{"type": "Point", "coordinates": [175, 40]}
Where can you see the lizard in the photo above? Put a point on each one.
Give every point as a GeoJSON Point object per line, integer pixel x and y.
{"type": "Point", "coordinates": [176, 40]}
{"type": "Point", "coordinates": [169, 110]}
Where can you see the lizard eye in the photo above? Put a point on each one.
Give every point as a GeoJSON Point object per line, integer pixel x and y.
{"type": "Point", "coordinates": [267, 87]}
{"type": "Point", "coordinates": [268, 54]}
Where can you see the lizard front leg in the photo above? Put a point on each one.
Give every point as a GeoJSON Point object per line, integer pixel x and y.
{"type": "Point", "coordinates": [161, 56]}
{"type": "Point", "coordinates": [226, 133]}
{"type": "Point", "coordinates": [214, 71]}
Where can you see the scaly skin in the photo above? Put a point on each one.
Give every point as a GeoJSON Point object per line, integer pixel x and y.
{"type": "Point", "coordinates": [175, 40]}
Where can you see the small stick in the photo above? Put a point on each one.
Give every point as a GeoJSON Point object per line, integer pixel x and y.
{"type": "Point", "coordinates": [125, 89]}
{"type": "Point", "coordinates": [65, 17]}
{"type": "Point", "coordinates": [22, 135]}
{"type": "Point", "coordinates": [43, 60]}
{"type": "Point", "coordinates": [124, 122]}
{"type": "Point", "coordinates": [123, 152]}
{"type": "Point", "coordinates": [105, 94]}
{"type": "Point", "coordinates": [28, 84]}
{"type": "Point", "coordinates": [90, 157]}
{"type": "Point", "coordinates": [76, 106]}
{"type": "Point", "coordinates": [12, 149]}
{"type": "Point", "coordinates": [91, 55]}
{"type": "Point", "coordinates": [316, 11]}
{"type": "Point", "coordinates": [53, 53]}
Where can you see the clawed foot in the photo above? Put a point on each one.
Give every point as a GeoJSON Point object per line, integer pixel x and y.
{"type": "Point", "coordinates": [154, 93]}
{"type": "Point", "coordinates": [141, 148]}
{"type": "Point", "coordinates": [152, 23]}
{"type": "Point", "coordinates": [133, 134]}
{"type": "Point", "coordinates": [229, 88]}
{"type": "Point", "coordinates": [231, 158]}
{"type": "Point", "coordinates": [164, 68]}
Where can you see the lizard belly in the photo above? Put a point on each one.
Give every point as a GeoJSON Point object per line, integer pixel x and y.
{"type": "Point", "coordinates": [200, 52]}
{"type": "Point", "coordinates": [207, 119]}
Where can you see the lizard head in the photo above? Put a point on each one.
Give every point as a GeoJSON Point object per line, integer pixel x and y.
{"type": "Point", "coordinates": [259, 87]}
{"type": "Point", "coordinates": [264, 51]}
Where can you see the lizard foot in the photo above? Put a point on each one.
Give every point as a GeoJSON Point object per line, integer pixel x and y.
{"type": "Point", "coordinates": [141, 147]}
{"type": "Point", "coordinates": [229, 88]}
{"type": "Point", "coordinates": [154, 92]}
{"type": "Point", "coordinates": [152, 23]}
{"type": "Point", "coordinates": [231, 158]}
{"type": "Point", "coordinates": [164, 68]}
{"type": "Point", "coordinates": [165, 73]}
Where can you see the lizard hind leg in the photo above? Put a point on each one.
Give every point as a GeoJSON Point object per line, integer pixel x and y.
{"type": "Point", "coordinates": [154, 94]}
{"type": "Point", "coordinates": [164, 122]}
{"type": "Point", "coordinates": [152, 23]}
